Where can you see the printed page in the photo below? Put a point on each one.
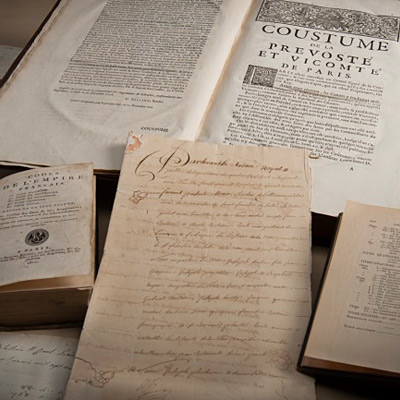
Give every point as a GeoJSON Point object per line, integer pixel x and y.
{"type": "Point", "coordinates": [104, 68]}
{"type": "Point", "coordinates": [204, 287]}
{"type": "Point", "coordinates": [357, 320]}
{"type": "Point", "coordinates": [46, 223]}
{"type": "Point", "coordinates": [321, 76]}
{"type": "Point", "coordinates": [34, 366]}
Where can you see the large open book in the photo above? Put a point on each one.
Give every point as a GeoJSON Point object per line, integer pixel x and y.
{"type": "Point", "coordinates": [264, 72]}
{"type": "Point", "coordinates": [204, 288]}
{"type": "Point", "coordinates": [47, 236]}
{"type": "Point", "coordinates": [356, 324]}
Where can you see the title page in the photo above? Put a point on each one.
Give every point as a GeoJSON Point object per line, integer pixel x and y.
{"type": "Point", "coordinates": [46, 223]}
{"type": "Point", "coordinates": [323, 76]}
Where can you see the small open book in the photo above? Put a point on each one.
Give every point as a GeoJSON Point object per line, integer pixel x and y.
{"type": "Point", "coordinates": [355, 327]}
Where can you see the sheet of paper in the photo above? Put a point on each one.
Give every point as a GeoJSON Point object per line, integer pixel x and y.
{"type": "Point", "coordinates": [204, 287]}
{"type": "Point", "coordinates": [35, 367]}
{"type": "Point", "coordinates": [360, 300]}
{"type": "Point", "coordinates": [7, 56]}
{"type": "Point", "coordinates": [104, 68]}
{"type": "Point", "coordinates": [321, 76]}
{"type": "Point", "coordinates": [46, 223]}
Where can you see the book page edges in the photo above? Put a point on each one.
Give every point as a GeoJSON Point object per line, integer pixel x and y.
{"type": "Point", "coordinates": [310, 362]}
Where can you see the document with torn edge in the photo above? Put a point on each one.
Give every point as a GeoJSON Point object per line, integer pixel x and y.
{"type": "Point", "coordinates": [47, 236]}
{"type": "Point", "coordinates": [204, 286]}
{"type": "Point", "coordinates": [356, 325]}
{"type": "Point", "coordinates": [299, 74]}
{"type": "Point", "coordinates": [35, 367]}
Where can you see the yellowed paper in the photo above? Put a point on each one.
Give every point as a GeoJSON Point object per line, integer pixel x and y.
{"type": "Point", "coordinates": [307, 75]}
{"type": "Point", "coordinates": [35, 367]}
{"type": "Point", "coordinates": [285, 73]}
{"type": "Point", "coordinates": [204, 287]}
{"type": "Point", "coordinates": [104, 68]}
{"type": "Point", "coordinates": [357, 320]}
{"type": "Point", "coordinates": [46, 223]}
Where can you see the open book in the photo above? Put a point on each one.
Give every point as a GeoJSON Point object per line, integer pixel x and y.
{"type": "Point", "coordinates": [47, 235]}
{"type": "Point", "coordinates": [356, 325]}
{"type": "Point", "coordinates": [264, 72]}
{"type": "Point", "coordinates": [204, 288]}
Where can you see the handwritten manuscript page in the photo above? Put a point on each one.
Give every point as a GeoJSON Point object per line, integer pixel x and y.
{"type": "Point", "coordinates": [204, 287]}
{"type": "Point", "coordinates": [306, 75]}
{"type": "Point", "coordinates": [35, 367]}
{"type": "Point", "coordinates": [359, 304]}
{"type": "Point", "coordinates": [104, 68]}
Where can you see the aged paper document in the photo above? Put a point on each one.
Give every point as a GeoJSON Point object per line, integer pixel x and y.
{"type": "Point", "coordinates": [359, 303]}
{"type": "Point", "coordinates": [103, 68]}
{"type": "Point", "coordinates": [204, 287]}
{"type": "Point", "coordinates": [275, 73]}
{"type": "Point", "coordinates": [47, 223]}
{"type": "Point", "coordinates": [35, 367]}
{"type": "Point", "coordinates": [323, 76]}
{"type": "Point", "coordinates": [7, 56]}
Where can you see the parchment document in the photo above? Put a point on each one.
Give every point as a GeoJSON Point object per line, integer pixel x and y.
{"type": "Point", "coordinates": [35, 367]}
{"type": "Point", "coordinates": [359, 306]}
{"type": "Point", "coordinates": [204, 287]}
{"type": "Point", "coordinates": [103, 68]}
{"type": "Point", "coordinates": [47, 223]}
{"type": "Point", "coordinates": [322, 76]}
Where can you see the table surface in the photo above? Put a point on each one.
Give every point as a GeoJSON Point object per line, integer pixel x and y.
{"type": "Point", "coordinates": [19, 19]}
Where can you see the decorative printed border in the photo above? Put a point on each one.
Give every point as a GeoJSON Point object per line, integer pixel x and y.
{"type": "Point", "coordinates": [330, 19]}
{"type": "Point", "coordinates": [261, 76]}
